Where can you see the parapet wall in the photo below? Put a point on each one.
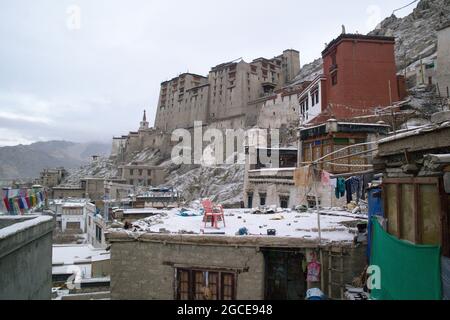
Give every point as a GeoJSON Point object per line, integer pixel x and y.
{"type": "Point", "coordinates": [26, 258]}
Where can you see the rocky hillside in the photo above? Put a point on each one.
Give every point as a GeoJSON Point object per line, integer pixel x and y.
{"type": "Point", "coordinates": [415, 35]}
{"type": "Point", "coordinates": [26, 161]}
{"type": "Point", "coordinates": [223, 184]}
{"type": "Point", "coordinates": [101, 168]}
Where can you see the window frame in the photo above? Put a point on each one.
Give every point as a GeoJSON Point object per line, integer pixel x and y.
{"type": "Point", "coordinates": [334, 78]}
{"type": "Point", "coordinates": [220, 274]}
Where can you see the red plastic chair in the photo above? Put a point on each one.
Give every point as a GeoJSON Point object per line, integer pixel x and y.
{"type": "Point", "coordinates": [208, 211]}
{"type": "Point", "coordinates": [213, 213]}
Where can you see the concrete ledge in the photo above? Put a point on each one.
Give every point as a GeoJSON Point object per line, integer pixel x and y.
{"type": "Point", "coordinates": [205, 240]}
{"type": "Point", "coordinates": [19, 234]}
{"type": "Point", "coordinates": [88, 296]}
{"type": "Point", "coordinates": [440, 117]}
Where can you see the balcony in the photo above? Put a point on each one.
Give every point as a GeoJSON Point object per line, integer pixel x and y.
{"type": "Point", "coordinates": [276, 176]}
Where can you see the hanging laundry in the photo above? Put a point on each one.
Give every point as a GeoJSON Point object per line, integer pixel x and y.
{"type": "Point", "coordinates": [302, 176]}
{"type": "Point", "coordinates": [325, 178]}
{"type": "Point", "coordinates": [340, 188]}
{"type": "Point", "coordinates": [366, 180]}
{"type": "Point", "coordinates": [348, 191]}
{"type": "Point", "coordinates": [333, 183]}
{"type": "Point", "coordinates": [313, 272]}
{"type": "Point", "coordinates": [353, 186]}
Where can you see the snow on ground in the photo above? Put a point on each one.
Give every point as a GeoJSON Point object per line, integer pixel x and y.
{"type": "Point", "coordinates": [335, 225]}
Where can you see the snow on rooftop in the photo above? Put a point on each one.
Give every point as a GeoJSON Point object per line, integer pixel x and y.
{"type": "Point", "coordinates": [140, 211]}
{"type": "Point", "coordinates": [68, 201]}
{"type": "Point", "coordinates": [101, 257]}
{"type": "Point", "coordinates": [71, 254]}
{"type": "Point", "coordinates": [96, 280]}
{"type": "Point", "coordinates": [73, 205]}
{"type": "Point", "coordinates": [31, 221]}
{"type": "Point", "coordinates": [273, 169]}
{"type": "Point", "coordinates": [286, 223]}
{"type": "Point", "coordinates": [409, 133]}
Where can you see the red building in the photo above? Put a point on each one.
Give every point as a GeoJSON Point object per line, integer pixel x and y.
{"type": "Point", "coordinates": [359, 75]}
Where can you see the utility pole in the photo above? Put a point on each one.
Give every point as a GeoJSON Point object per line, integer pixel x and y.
{"type": "Point", "coordinates": [316, 195]}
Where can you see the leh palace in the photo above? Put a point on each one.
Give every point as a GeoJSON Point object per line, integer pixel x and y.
{"type": "Point", "coordinates": [358, 77]}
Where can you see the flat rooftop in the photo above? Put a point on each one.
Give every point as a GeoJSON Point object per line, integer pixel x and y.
{"type": "Point", "coordinates": [336, 225]}
{"type": "Point", "coordinates": [74, 254]}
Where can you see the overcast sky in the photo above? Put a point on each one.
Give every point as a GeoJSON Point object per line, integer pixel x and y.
{"type": "Point", "coordinates": [85, 70]}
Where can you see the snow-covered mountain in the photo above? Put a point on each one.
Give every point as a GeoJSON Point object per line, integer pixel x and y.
{"type": "Point", "coordinates": [27, 161]}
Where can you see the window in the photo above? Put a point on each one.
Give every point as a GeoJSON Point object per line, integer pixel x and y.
{"type": "Point", "coordinates": [149, 172]}
{"type": "Point", "coordinates": [131, 172]}
{"type": "Point", "coordinates": [262, 199]}
{"type": "Point", "coordinates": [140, 172]}
{"type": "Point", "coordinates": [334, 78]}
{"type": "Point", "coordinates": [98, 233]}
{"type": "Point", "coordinates": [333, 59]}
{"type": "Point", "coordinates": [73, 225]}
{"type": "Point", "coordinates": [250, 200]}
{"type": "Point", "coordinates": [284, 202]}
{"type": "Point", "coordinates": [315, 97]}
{"type": "Point", "coordinates": [304, 106]}
{"type": "Point", "coordinates": [205, 285]}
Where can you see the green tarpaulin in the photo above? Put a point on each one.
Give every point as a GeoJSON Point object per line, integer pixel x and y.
{"type": "Point", "coordinates": [408, 271]}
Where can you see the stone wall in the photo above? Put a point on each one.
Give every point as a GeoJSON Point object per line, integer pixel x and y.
{"type": "Point", "coordinates": [61, 193]}
{"type": "Point", "coordinates": [443, 61]}
{"type": "Point", "coordinates": [297, 195]}
{"type": "Point", "coordinates": [279, 112]}
{"type": "Point", "coordinates": [143, 270]}
{"type": "Point", "coordinates": [26, 259]}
